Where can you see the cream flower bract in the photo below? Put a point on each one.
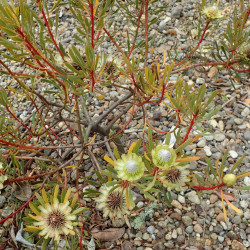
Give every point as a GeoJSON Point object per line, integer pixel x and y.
{"type": "Point", "coordinates": [175, 177]}
{"type": "Point", "coordinates": [212, 12]}
{"type": "Point", "coordinates": [113, 203]}
{"type": "Point", "coordinates": [55, 219]}
{"type": "Point", "coordinates": [163, 156]}
{"type": "Point", "coordinates": [130, 167]}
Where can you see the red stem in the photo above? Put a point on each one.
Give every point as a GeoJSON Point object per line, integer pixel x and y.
{"type": "Point", "coordinates": [206, 188]}
{"type": "Point", "coordinates": [146, 32]}
{"type": "Point", "coordinates": [92, 24]}
{"type": "Point", "coordinates": [50, 33]}
{"type": "Point", "coordinates": [19, 209]}
{"type": "Point", "coordinates": [196, 47]}
{"type": "Point", "coordinates": [190, 127]}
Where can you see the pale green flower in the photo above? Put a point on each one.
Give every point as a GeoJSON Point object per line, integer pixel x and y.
{"type": "Point", "coordinates": [112, 203]}
{"type": "Point", "coordinates": [212, 12]}
{"type": "Point", "coordinates": [175, 177]}
{"type": "Point", "coordinates": [163, 156]}
{"type": "Point", "coordinates": [130, 167]}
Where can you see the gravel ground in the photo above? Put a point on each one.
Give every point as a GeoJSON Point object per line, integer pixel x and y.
{"type": "Point", "coordinates": [192, 222]}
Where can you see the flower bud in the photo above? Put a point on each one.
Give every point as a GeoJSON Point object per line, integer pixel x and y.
{"type": "Point", "coordinates": [229, 179]}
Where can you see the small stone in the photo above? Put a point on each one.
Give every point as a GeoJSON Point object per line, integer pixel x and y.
{"type": "Point", "coordinates": [140, 204]}
{"type": "Point", "coordinates": [219, 137]}
{"type": "Point", "coordinates": [189, 229]}
{"type": "Point", "coordinates": [236, 245]}
{"type": "Point", "coordinates": [145, 236]}
{"type": "Point", "coordinates": [208, 242]}
{"type": "Point", "coordinates": [214, 236]}
{"type": "Point", "coordinates": [6, 212]}
{"type": "Point", "coordinates": [2, 200]}
{"type": "Point", "coordinates": [187, 220]}
{"type": "Point", "coordinates": [169, 245]}
{"type": "Point", "coordinates": [157, 116]}
{"type": "Point", "coordinates": [220, 239]}
{"type": "Point", "coordinates": [221, 125]}
{"type": "Point", "coordinates": [213, 198]}
{"type": "Point", "coordinates": [247, 135]}
{"type": "Point", "coordinates": [198, 228]}
{"type": "Point", "coordinates": [245, 112]}
{"type": "Point", "coordinates": [247, 214]}
{"type": "Point", "coordinates": [200, 80]}
{"type": "Point", "coordinates": [158, 246]}
{"type": "Point", "coordinates": [212, 72]}
{"type": "Point", "coordinates": [246, 243]}
{"type": "Point", "coordinates": [175, 216]}
{"type": "Point", "coordinates": [201, 143]}
{"type": "Point", "coordinates": [247, 181]}
{"type": "Point", "coordinates": [236, 220]}
{"type": "Point", "coordinates": [244, 204]}
{"type": "Point", "coordinates": [168, 237]}
{"type": "Point", "coordinates": [238, 121]}
{"type": "Point", "coordinates": [181, 199]}
{"type": "Point", "coordinates": [151, 229]}
{"type": "Point", "coordinates": [220, 217]}
{"type": "Point", "coordinates": [174, 234]}
{"type": "Point", "coordinates": [213, 123]}
{"type": "Point", "coordinates": [193, 197]}
{"type": "Point", "coordinates": [176, 12]}
{"type": "Point", "coordinates": [233, 154]}
{"type": "Point", "coordinates": [162, 224]}
{"type": "Point", "coordinates": [176, 204]}
{"type": "Point", "coordinates": [218, 228]}
{"type": "Point", "coordinates": [207, 151]}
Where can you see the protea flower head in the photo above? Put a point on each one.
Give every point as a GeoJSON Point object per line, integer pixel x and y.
{"type": "Point", "coordinates": [130, 167]}
{"type": "Point", "coordinates": [229, 179]}
{"type": "Point", "coordinates": [213, 12]}
{"type": "Point", "coordinates": [163, 156]}
{"type": "Point", "coordinates": [113, 204]}
{"type": "Point", "coordinates": [55, 218]}
{"type": "Point", "coordinates": [175, 177]}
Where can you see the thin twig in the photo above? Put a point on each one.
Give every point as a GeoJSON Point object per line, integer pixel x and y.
{"type": "Point", "coordinates": [109, 149]}
{"type": "Point", "coordinates": [93, 158]}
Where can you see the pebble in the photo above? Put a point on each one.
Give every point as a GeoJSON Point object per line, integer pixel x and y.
{"type": "Point", "coordinates": [145, 236]}
{"type": "Point", "coordinates": [236, 220]}
{"type": "Point", "coordinates": [176, 204]}
{"type": "Point", "coordinates": [236, 245]}
{"type": "Point", "coordinates": [219, 137]}
{"type": "Point", "coordinates": [221, 239]}
{"type": "Point", "coordinates": [140, 204]}
{"type": "Point", "coordinates": [7, 211]}
{"type": "Point", "coordinates": [198, 228]}
{"type": "Point", "coordinates": [162, 224]}
{"type": "Point", "coordinates": [233, 154]}
{"type": "Point", "coordinates": [213, 198]}
{"type": "Point", "coordinates": [151, 229]}
{"type": "Point", "coordinates": [200, 80]}
{"type": "Point", "coordinates": [247, 135]}
{"type": "Point", "coordinates": [220, 217]}
{"type": "Point", "coordinates": [2, 200]}
{"type": "Point", "coordinates": [238, 121]}
{"type": "Point", "coordinates": [247, 214]}
{"type": "Point", "coordinates": [247, 181]}
{"type": "Point", "coordinates": [207, 151]}
{"type": "Point", "coordinates": [174, 234]}
{"type": "Point", "coordinates": [187, 220]}
{"type": "Point", "coordinates": [189, 229]}
{"type": "Point", "coordinates": [176, 12]}
{"type": "Point", "coordinates": [201, 143]}
{"type": "Point", "coordinates": [181, 199]}
{"type": "Point", "coordinates": [193, 197]}
{"type": "Point", "coordinates": [244, 204]}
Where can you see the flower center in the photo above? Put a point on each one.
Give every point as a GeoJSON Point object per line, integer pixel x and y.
{"type": "Point", "coordinates": [132, 167]}
{"type": "Point", "coordinates": [56, 219]}
{"type": "Point", "coordinates": [114, 200]}
{"type": "Point", "coordinates": [173, 175]}
{"type": "Point", "coordinates": [164, 155]}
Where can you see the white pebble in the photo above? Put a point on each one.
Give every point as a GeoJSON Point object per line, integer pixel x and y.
{"type": "Point", "coordinates": [233, 154]}
{"type": "Point", "coordinates": [207, 151]}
